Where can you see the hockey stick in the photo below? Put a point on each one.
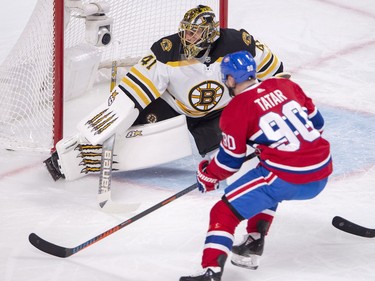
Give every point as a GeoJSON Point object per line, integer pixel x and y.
{"type": "Point", "coordinates": [104, 193]}
{"type": "Point", "coordinates": [114, 65]}
{"type": "Point", "coordinates": [251, 156]}
{"type": "Point", "coordinates": [64, 252]}
{"type": "Point", "coordinates": [352, 228]}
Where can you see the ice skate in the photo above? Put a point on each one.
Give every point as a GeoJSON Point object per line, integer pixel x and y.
{"type": "Point", "coordinates": [53, 166]}
{"type": "Point", "coordinates": [248, 253]}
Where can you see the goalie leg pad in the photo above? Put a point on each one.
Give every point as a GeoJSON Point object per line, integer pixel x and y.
{"type": "Point", "coordinates": [113, 116]}
{"type": "Point", "coordinates": [77, 158]}
{"type": "Point", "coordinates": [153, 144]}
{"type": "Point", "coordinates": [140, 147]}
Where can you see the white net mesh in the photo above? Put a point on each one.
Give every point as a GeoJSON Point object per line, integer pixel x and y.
{"type": "Point", "coordinates": [26, 83]}
{"type": "Point", "coordinates": [27, 75]}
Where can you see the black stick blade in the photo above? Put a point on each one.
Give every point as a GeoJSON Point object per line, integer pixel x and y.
{"type": "Point", "coordinates": [48, 247]}
{"type": "Point", "coordinates": [352, 228]}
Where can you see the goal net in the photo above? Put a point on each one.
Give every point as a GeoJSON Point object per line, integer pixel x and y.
{"type": "Point", "coordinates": [39, 74]}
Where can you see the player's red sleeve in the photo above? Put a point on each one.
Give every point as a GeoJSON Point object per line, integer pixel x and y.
{"type": "Point", "coordinates": [232, 150]}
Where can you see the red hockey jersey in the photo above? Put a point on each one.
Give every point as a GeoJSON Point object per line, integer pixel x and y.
{"type": "Point", "coordinates": [282, 124]}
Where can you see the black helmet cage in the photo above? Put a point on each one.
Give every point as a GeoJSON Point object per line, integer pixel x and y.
{"type": "Point", "coordinates": [201, 21]}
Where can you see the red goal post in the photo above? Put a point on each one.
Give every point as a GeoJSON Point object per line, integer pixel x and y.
{"type": "Point", "coordinates": [34, 81]}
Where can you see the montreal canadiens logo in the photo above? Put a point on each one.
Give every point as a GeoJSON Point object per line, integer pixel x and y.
{"type": "Point", "coordinates": [206, 95]}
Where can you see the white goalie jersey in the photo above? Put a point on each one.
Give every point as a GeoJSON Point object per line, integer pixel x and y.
{"type": "Point", "coordinates": [192, 87]}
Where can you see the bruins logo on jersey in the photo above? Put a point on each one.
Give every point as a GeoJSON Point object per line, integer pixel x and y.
{"type": "Point", "coordinates": [166, 45]}
{"type": "Point", "coordinates": [246, 37]}
{"type": "Point", "coordinates": [206, 95]}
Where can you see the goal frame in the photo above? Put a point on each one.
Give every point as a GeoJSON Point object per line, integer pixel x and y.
{"type": "Point", "coordinates": [58, 87]}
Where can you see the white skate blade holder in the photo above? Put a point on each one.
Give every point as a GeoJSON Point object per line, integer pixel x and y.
{"type": "Point", "coordinates": [249, 262]}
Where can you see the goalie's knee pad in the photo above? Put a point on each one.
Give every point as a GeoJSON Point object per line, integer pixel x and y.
{"type": "Point", "coordinates": [152, 144]}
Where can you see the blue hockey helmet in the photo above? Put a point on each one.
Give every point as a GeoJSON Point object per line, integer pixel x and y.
{"type": "Point", "coordinates": [240, 65]}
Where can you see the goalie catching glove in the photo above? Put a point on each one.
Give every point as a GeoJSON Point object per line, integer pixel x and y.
{"type": "Point", "coordinates": [205, 181]}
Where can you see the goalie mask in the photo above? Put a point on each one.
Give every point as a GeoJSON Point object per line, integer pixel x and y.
{"type": "Point", "coordinates": [198, 30]}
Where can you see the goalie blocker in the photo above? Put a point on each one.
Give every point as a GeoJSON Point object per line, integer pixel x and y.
{"type": "Point", "coordinates": [137, 147]}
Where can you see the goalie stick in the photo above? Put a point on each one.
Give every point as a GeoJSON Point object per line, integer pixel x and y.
{"type": "Point", "coordinates": [104, 193]}
{"type": "Point", "coordinates": [116, 44]}
{"type": "Point", "coordinates": [352, 228]}
{"type": "Point", "coordinates": [64, 252]}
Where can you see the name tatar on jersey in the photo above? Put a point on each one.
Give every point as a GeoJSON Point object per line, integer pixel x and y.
{"type": "Point", "coordinates": [270, 100]}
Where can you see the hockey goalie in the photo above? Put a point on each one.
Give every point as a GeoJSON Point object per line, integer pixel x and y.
{"type": "Point", "coordinates": [172, 92]}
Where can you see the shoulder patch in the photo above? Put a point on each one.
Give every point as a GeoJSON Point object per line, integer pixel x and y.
{"type": "Point", "coordinates": [246, 38]}
{"type": "Point", "coordinates": [166, 44]}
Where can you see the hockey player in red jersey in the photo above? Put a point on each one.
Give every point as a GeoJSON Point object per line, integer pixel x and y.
{"type": "Point", "coordinates": [284, 126]}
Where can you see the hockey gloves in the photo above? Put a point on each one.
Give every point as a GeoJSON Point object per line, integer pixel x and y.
{"type": "Point", "coordinates": [205, 182]}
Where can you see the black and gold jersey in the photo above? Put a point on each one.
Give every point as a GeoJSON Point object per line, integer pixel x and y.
{"type": "Point", "coordinates": [193, 87]}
